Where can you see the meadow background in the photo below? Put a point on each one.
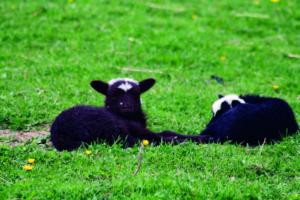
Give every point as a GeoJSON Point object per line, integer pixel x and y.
{"type": "Point", "coordinates": [51, 50]}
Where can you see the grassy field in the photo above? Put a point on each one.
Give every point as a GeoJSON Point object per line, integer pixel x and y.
{"type": "Point", "coordinates": [50, 51]}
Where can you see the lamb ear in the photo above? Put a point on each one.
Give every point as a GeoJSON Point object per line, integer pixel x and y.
{"type": "Point", "coordinates": [146, 84]}
{"type": "Point", "coordinates": [100, 86]}
{"type": "Point", "coordinates": [220, 96]}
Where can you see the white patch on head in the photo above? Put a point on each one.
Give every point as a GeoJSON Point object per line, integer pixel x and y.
{"type": "Point", "coordinates": [113, 81]}
{"type": "Point", "coordinates": [125, 83]}
{"type": "Point", "coordinates": [125, 86]}
{"type": "Point", "coordinates": [229, 99]}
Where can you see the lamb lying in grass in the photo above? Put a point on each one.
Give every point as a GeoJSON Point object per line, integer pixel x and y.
{"type": "Point", "coordinates": [122, 117]}
{"type": "Point", "coordinates": [250, 120]}
{"type": "Point", "coordinates": [245, 119]}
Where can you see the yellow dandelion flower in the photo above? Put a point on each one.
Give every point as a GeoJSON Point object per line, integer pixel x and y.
{"type": "Point", "coordinates": [274, 1]}
{"type": "Point", "coordinates": [145, 142]}
{"type": "Point", "coordinates": [88, 152]}
{"type": "Point", "coordinates": [31, 160]}
{"type": "Point", "coordinates": [275, 87]}
{"type": "Point", "coordinates": [194, 17]}
{"type": "Point", "coordinates": [27, 167]}
{"type": "Point", "coordinates": [223, 58]}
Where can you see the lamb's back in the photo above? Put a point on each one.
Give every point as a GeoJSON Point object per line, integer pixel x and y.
{"type": "Point", "coordinates": [83, 124]}
{"type": "Point", "coordinates": [253, 122]}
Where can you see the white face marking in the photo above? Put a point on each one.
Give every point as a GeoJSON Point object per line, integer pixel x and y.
{"type": "Point", "coordinates": [126, 83]}
{"type": "Point", "coordinates": [111, 82]}
{"type": "Point", "coordinates": [125, 86]}
{"type": "Point", "coordinates": [228, 98]}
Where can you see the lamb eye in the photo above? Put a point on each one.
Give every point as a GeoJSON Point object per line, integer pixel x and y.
{"type": "Point", "coordinates": [133, 92]}
{"type": "Point", "coordinates": [118, 92]}
{"type": "Point", "coordinates": [234, 103]}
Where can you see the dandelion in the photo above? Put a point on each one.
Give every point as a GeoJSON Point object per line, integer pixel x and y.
{"type": "Point", "coordinates": [274, 1]}
{"type": "Point", "coordinates": [223, 58]}
{"type": "Point", "coordinates": [145, 142]}
{"type": "Point", "coordinates": [88, 152]}
{"type": "Point", "coordinates": [139, 157]}
{"type": "Point", "coordinates": [275, 87]}
{"type": "Point", "coordinates": [27, 167]}
{"type": "Point", "coordinates": [31, 160]}
{"type": "Point", "coordinates": [194, 17]}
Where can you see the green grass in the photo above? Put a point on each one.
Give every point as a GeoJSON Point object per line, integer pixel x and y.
{"type": "Point", "coordinates": [50, 51]}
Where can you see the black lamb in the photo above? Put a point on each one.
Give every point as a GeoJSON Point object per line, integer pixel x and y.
{"type": "Point", "coordinates": [120, 119]}
{"type": "Point", "coordinates": [250, 119]}
{"type": "Point", "coordinates": [247, 119]}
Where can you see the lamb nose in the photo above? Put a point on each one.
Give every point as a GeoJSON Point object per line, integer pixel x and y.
{"type": "Point", "coordinates": [126, 106]}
